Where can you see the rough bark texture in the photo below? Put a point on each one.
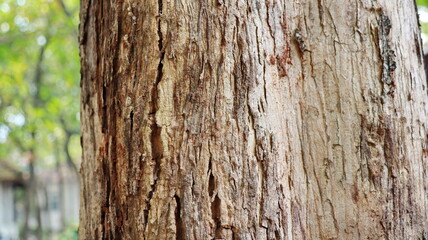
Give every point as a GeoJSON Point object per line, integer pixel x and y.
{"type": "Point", "coordinates": [270, 119]}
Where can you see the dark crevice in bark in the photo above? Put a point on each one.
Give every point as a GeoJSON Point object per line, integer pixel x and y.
{"type": "Point", "coordinates": [211, 180]}
{"type": "Point", "coordinates": [146, 217]}
{"type": "Point", "coordinates": [216, 216]}
{"type": "Point", "coordinates": [131, 132]}
{"type": "Point", "coordinates": [321, 12]}
{"type": "Point", "coordinates": [149, 198]}
{"type": "Point", "coordinates": [132, 68]}
{"type": "Point", "coordinates": [211, 185]}
{"type": "Point", "coordinates": [131, 172]}
{"type": "Point", "coordinates": [155, 135]}
{"type": "Point", "coordinates": [157, 148]}
{"type": "Point", "coordinates": [85, 12]}
{"type": "Point", "coordinates": [110, 111]}
{"type": "Point", "coordinates": [419, 48]}
{"type": "Point", "coordinates": [104, 110]}
{"type": "Point", "coordinates": [131, 125]}
{"type": "Point", "coordinates": [155, 138]}
{"type": "Point", "coordinates": [178, 221]}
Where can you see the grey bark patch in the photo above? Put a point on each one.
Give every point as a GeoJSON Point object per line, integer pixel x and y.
{"type": "Point", "coordinates": [386, 53]}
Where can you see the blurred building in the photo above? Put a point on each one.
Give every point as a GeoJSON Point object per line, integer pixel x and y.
{"type": "Point", "coordinates": [58, 199]}
{"type": "Point", "coordinates": [10, 181]}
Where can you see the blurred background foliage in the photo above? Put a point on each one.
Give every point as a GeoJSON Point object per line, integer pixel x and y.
{"type": "Point", "coordinates": [39, 103]}
{"type": "Point", "coordinates": [39, 100]}
{"type": "Point", "coordinates": [39, 69]}
{"type": "Point", "coordinates": [423, 20]}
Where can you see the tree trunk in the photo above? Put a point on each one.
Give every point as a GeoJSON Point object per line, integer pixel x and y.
{"type": "Point", "coordinates": [253, 120]}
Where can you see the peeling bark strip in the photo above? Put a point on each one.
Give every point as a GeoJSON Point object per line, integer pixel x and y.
{"type": "Point", "coordinates": [252, 120]}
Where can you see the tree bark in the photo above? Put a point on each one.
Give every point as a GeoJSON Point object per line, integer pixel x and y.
{"type": "Point", "coordinates": [253, 120]}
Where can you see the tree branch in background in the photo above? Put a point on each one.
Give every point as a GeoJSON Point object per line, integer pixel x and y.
{"type": "Point", "coordinates": [68, 134]}
{"type": "Point", "coordinates": [31, 184]}
{"type": "Point", "coordinates": [61, 185]}
{"type": "Point", "coordinates": [64, 8]}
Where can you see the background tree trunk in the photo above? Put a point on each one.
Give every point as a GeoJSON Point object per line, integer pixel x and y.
{"type": "Point", "coordinates": [253, 120]}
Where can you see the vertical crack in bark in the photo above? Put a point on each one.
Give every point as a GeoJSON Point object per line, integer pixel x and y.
{"type": "Point", "coordinates": [321, 13]}
{"type": "Point", "coordinates": [155, 135]}
{"type": "Point", "coordinates": [178, 222]}
{"type": "Point", "coordinates": [216, 216]}
{"type": "Point", "coordinates": [131, 131]}
{"type": "Point", "coordinates": [147, 210]}
{"type": "Point", "coordinates": [132, 188]}
{"type": "Point", "coordinates": [104, 110]}
{"type": "Point", "coordinates": [157, 148]}
{"type": "Point", "coordinates": [112, 84]}
{"type": "Point", "coordinates": [211, 185]}
{"type": "Point", "coordinates": [84, 23]}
